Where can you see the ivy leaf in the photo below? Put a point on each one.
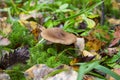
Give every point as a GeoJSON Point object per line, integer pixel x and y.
{"type": "Point", "coordinates": [90, 22]}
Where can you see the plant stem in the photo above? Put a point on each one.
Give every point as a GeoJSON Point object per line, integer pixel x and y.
{"type": "Point", "coordinates": [13, 4]}
{"type": "Point", "coordinates": [103, 13]}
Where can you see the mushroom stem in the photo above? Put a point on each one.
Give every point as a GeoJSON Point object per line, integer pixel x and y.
{"type": "Point", "coordinates": [80, 45]}
{"type": "Point", "coordinates": [40, 41]}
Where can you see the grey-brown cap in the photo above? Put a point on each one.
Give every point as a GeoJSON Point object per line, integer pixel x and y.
{"type": "Point", "coordinates": [58, 35]}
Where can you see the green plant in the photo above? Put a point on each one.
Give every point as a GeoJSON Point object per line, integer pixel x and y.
{"type": "Point", "coordinates": [17, 72]}
{"type": "Point", "coordinates": [20, 36]}
{"type": "Point", "coordinates": [48, 55]}
{"type": "Point", "coordinates": [86, 67]}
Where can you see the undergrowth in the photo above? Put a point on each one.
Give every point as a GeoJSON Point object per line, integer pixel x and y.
{"type": "Point", "coordinates": [49, 55]}
{"type": "Point", "coordinates": [66, 14]}
{"type": "Point", "coordinates": [20, 36]}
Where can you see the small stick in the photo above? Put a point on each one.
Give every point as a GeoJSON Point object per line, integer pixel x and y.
{"type": "Point", "coordinates": [103, 13]}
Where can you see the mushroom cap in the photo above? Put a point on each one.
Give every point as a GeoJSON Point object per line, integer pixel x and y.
{"type": "Point", "coordinates": [58, 35]}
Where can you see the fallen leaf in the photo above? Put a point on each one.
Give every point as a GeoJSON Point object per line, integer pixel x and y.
{"type": "Point", "coordinates": [115, 4]}
{"type": "Point", "coordinates": [3, 5]}
{"type": "Point", "coordinates": [91, 54]}
{"type": "Point", "coordinates": [117, 37]}
{"type": "Point", "coordinates": [73, 64]}
{"type": "Point", "coordinates": [33, 27]}
{"type": "Point", "coordinates": [94, 45]}
{"type": "Point", "coordinates": [4, 41]}
{"type": "Point", "coordinates": [90, 22]}
{"type": "Point", "coordinates": [29, 24]}
{"type": "Point", "coordinates": [38, 71]}
{"type": "Point", "coordinates": [65, 75]}
{"type": "Point", "coordinates": [116, 70]}
{"type": "Point", "coordinates": [113, 21]}
{"type": "Point", "coordinates": [32, 14]}
{"type": "Point", "coordinates": [19, 55]}
{"type": "Point", "coordinates": [4, 76]}
{"type": "Point", "coordinates": [86, 53]}
{"type": "Point", "coordinates": [41, 71]}
{"type": "Point", "coordinates": [88, 77]}
{"type": "Point", "coordinates": [4, 26]}
{"type": "Point", "coordinates": [112, 51]}
{"type": "Point", "coordinates": [78, 60]}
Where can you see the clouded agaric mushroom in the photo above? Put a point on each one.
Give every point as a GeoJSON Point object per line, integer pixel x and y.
{"type": "Point", "coordinates": [57, 35]}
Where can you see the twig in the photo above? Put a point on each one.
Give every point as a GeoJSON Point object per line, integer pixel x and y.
{"type": "Point", "coordinates": [103, 13]}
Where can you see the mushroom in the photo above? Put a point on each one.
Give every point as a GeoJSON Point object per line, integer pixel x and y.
{"type": "Point", "coordinates": [58, 35]}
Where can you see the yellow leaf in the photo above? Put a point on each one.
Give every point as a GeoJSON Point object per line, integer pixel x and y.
{"type": "Point", "coordinates": [90, 54]}
{"type": "Point", "coordinates": [115, 4]}
{"type": "Point", "coordinates": [32, 26]}
{"type": "Point", "coordinates": [94, 45]}
{"type": "Point", "coordinates": [29, 24]}
{"type": "Point", "coordinates": [113, 21]}
{"type": "Point", "coordinates": [86, 53]}
{"type": "Point", "coordinates": [73, 62]}
{"type": "Point", "coordinates": [90, 22]}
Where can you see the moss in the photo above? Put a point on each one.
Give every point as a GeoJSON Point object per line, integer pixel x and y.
{"type": "Point", "coordinates": [17, 72]}
{"type": "Point", "coordinates": [20, 36]}
{"type": "Point", "coordinates": [53, 62]}
{"type": "Point", "coordinates": [17, 76]}
{"type": "Point", "coordinates": [42, 54]}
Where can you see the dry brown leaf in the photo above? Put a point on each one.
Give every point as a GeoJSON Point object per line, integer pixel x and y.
{"type": "Point", "coordinates": [88, 77]}
{"type": "Point", "coordinates": [86, 53]}
{"type": "Point", "coordinates": [112, 51]}
{"type": "Point", "coordinates": [113, 21]}
{"type": "Point", "coordinates": [29, 24]}
{"type": "Point", "coordinates": [32, 14]}
{"type": "Point", "coordinates": [37, 72]}
{"type": "Point", "coordinates": [40, 71]}
{"type": "Point", "coordinates": [4, 76]}
{"type": "Point", "coordinates": [33, 27]}
{"type": "Point", "coordinates": [115, 5]}
{"type": "Point", "coordinates": [65, 75]}
{"type": "Point", "coordinates": [117, 37]}
{"type": "Point", "coordinates": [94, 45]}
{"type": "Point", "coordinates": [4, 41]}
{"type": "Point", "coordinates": [73, 62]}
{"type": "Point", "coordinates": [91, 54]}
{"type": "Point", "coordinates": [4, 26]}
{"type": "Point", "coordinates": [116, 70]}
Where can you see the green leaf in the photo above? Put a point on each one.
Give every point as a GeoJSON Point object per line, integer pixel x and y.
{"type": "Point", "coordinates": [85, 68]}
{"type": "Point", "coordinates": [81, 12]}
{"type": "Point", "coordinates": [64, 6]}
{"type": "Point", "coordinates": [90, 22]}
{"type": "Point", "coordinates": [51, 51]}
{"type": "Point", "coordinates": [108, 71]}
{"type": "Point", "coordinates": [114, 58]}
{"type": "Point", "coordinates": [93, 16]}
